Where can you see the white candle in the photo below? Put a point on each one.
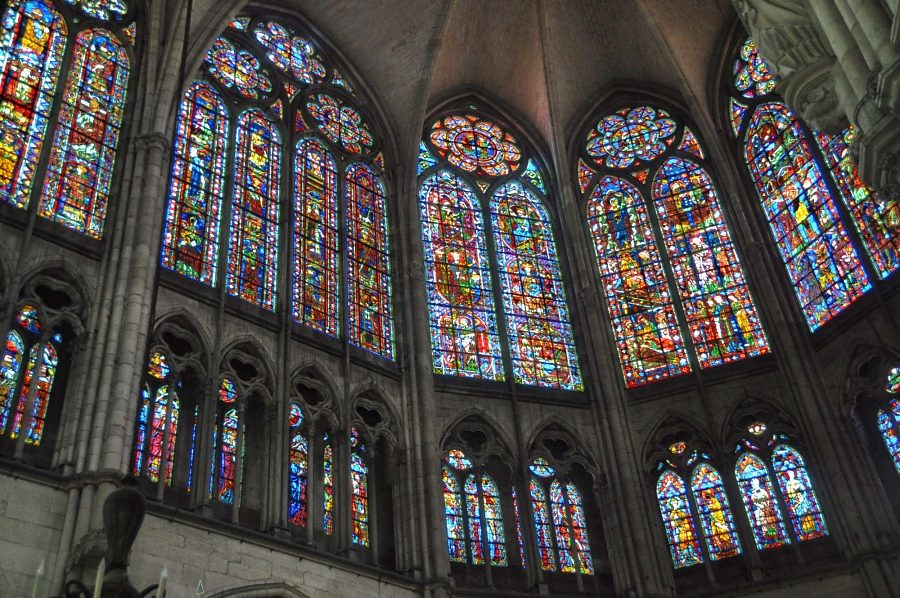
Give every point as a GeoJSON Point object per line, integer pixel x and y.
{"type": "Point", "coordinates": [98, 583]}
{"type": "Point", "coordinates": [163, 577]}
{"type": "Point", "coordinates": [37, 579]}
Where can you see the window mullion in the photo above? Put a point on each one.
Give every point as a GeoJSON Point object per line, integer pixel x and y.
{"type": "Point", "coordinates": [665, 262]}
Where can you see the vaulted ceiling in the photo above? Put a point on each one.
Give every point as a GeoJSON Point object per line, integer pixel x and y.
{"type": "Point", "coordinates": [547, 61]}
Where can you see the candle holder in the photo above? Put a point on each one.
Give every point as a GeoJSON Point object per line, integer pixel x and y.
{"type": "Point", "coordinates": [123, 515]}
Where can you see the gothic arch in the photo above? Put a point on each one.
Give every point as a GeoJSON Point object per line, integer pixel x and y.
{"type": "Point", "coordinates": [758, 407]}
{"type": "Point", "coordinates": [552, 437]}
{"type": "Point", "coordinates": [249, 350]}
{"type": "Point", "coordinates": [479, 416]}
{"type": "Point", "coordinates": [62, 290]}
{"type": "Point", "coordinates": [475, 432]}
{"type": "Point", "coordinates": [370, 407]}
{"type": "Point", "coordinates": [261, 590]}
{"type": "Point", "coordinates": [672, 426]}
{"type": "Point", "coordinates": [180, 326]}
{"type": "Point", "coordinates": [217, 21]}
{"type": "Point", "coordinates": [314, 375]}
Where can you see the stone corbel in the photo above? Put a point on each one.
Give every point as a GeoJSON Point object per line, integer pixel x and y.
{"type": "Point", "coordinates": [801, 61]}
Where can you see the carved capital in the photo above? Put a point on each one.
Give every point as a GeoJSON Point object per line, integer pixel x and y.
{"type": "Point", "coordinates": [156, 141]}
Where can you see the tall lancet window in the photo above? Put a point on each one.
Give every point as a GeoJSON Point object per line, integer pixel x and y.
{"type": "Point", "coordinates": [559, 521]}
{"type": "Point", "coordinates": [224, 462]}
{"type": "Point", "coordinates": [497, 302]}
{"type": "Point", "coordinates": [94, 44]}
{"type": "Point", "coordinates": [272, 140]}
{"type": "Point", "coordinates": [674, 285]}
{"type": "Point", "coordinates": [473, 513]}
{"type": "Point", "coordinates": [778, 494]}
{"type": "Point", "coordinates": [157, 428]}
{"type": "Point", "coordinates": [889, 417]}
{"type": "Point", "coordinates": [809, 190]}
{"type": "Point", "coordinates": [359, 488]}
{"type": "Point", "coordinates": [298, 468]}
{"type": "Point", "coordinates": [28, 369]}
{"type": "Point", "coordinates": [694, 507]}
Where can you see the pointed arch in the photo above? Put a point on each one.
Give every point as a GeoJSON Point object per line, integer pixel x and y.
{"type": "Point", "coordinates": [648, 339]}
{"type": "Point", "coordinates": [316, 242]}
{"type": "Point", "coordinates": [541, 342]}
{"type": "Point", "coordinates": [83, 155]}
{"type": "Point", "coordinates": [464, 334]}
{"type": "Point", "coordinates": [196, 185]}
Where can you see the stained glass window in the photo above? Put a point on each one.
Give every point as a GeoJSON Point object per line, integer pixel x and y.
{"type": "Point", "coordinates": [719, 310]}
{"type": "Point", "coordinates": [359, 489]}
{"type": "Point", "coordinates": [102, 9]}
{"type": "Point", "coordinates": [762, 509]}
{"type": "Point", "coordinates": [45, 367]}
{"type": "Point", "coordinates": [814, 244]}
{"type": "Point", "coordinates": [877, 219]}
{"type": "Point", "coordinates": [289, 77]}
{"type": "Point", "coordinates": [290, 53]}
{"type": "Point", "coordinates": [631, 137]}
{"type": "Point", "coordinates": [888, 425]}
{"type": "Point", "coordinates": [369, 277]}
{"type": "Point", "coordinates": [465, 329]}
{"type": "Point", "coordinates": [542, 526]}
{"type": "Point", "coordinates": [316, 238]}
{"type": "Point", "coordinates": [473, 513]}
{"type": "Point", "coordinates": [464, 335]}
{"type": "Point", "coordinates": [893, 381]}
{"type": "Point", "coordinates": [681, 247]}
{"type": "Point", "coordinates": [475, 145]}
{"type": "Point", "coordinates": [520, 537]}
{"type": "Point", "coordinates": [716, 521]}
{"type": "Point", "coordinates": [253, 249]}
{"type": "Point", "coordinates": [225, 450]}
{"type": "Point", "coordinates": [341, 123]}
{"type": "Point", "coordinates": [795, 185]}
{"type": "Point", "coordinates": [237, 69]}
{"type": "Point", "coordinates": [298, 463]}
{"type": "Point", "coordinates": [16, 380]}
{"type": "Point", "coordinates": [158, 432]}
{"type": "Point", "coordinates": [678, 520]}
{"type": "Point", "coordinates": [196, 185]}
{"type": "Point", "coordinates": [31, 51]}
{"type": "Point", "coordinates": [643, 318]}
{"type": "Point", "coordinates": [33, 47]}
{"type": "Point", "coordinates": [541, 342]}
{"type": "Point", "coordinates": [13, 353]}
{"type": "Point", "coordinates": [327, 486]}
{"type": "Point", "coordinates": [799, 496]}
{"type": "Point", "coordinates": [453, 514]}
{"type": "Point", "coordinates": [84, 149]}
{"type": "Point", "coordinates": [559, 522]}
